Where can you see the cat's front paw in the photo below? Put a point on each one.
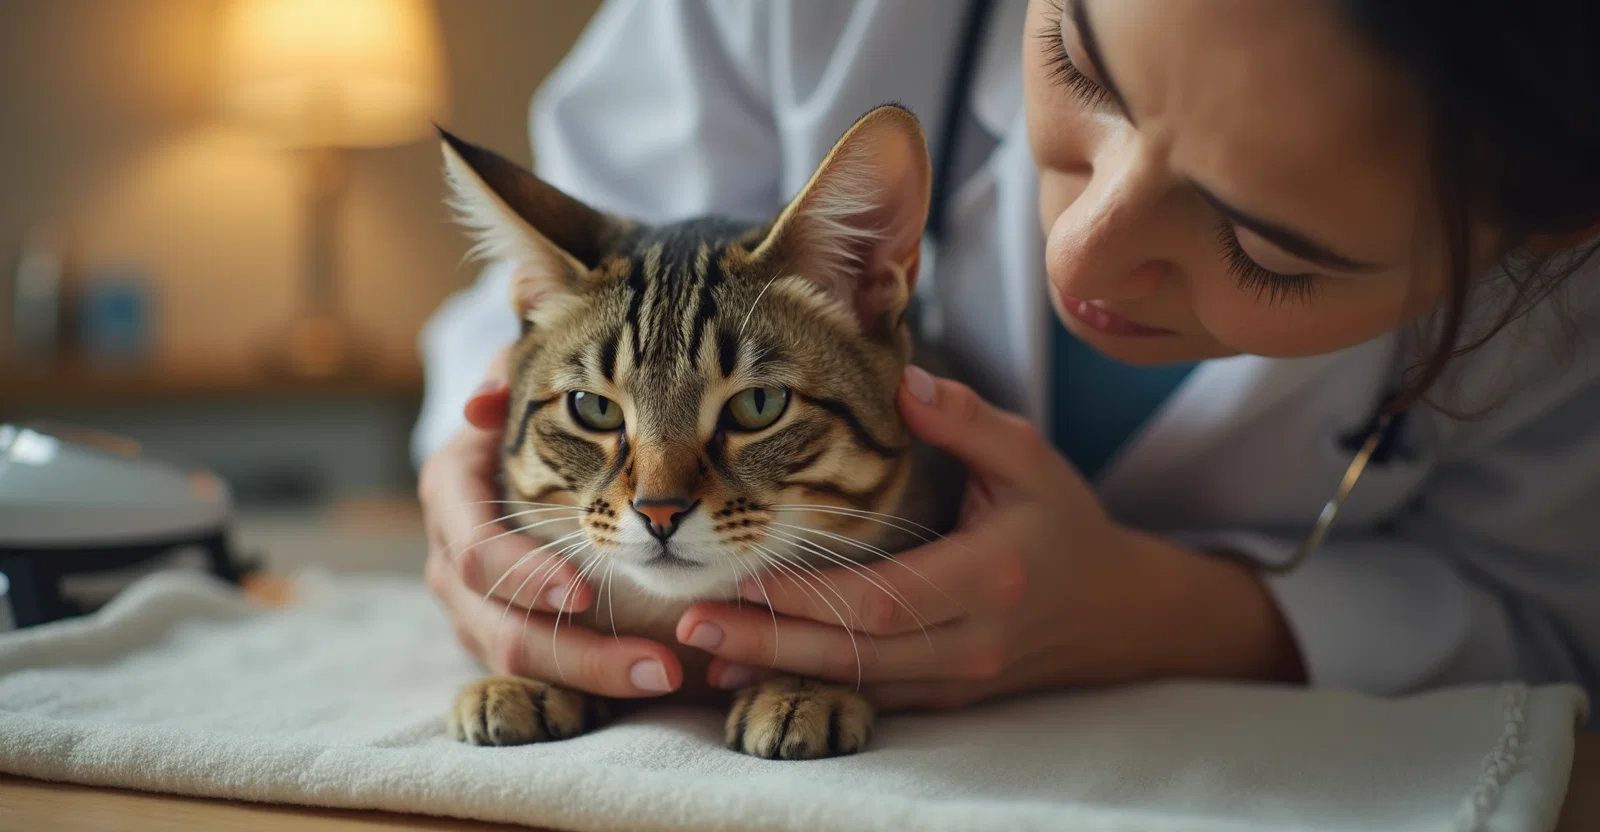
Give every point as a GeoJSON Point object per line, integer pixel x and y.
{"type": "Point", "coordinates": [506, 710]}
{"type": "Point", "coordinates": [798, 719]}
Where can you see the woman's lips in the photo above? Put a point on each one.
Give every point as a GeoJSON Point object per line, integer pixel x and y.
{"type": "Point", "coordinates": [1102, 321]}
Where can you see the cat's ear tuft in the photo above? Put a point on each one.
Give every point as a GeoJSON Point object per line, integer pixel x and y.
{"type": "Point", "coordinates": [855, 229]}
{"type": "Point", "coordinates": [551, 239]}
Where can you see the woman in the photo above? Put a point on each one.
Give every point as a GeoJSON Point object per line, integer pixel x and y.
{"type": "Point", "coordinates": [1259, 225]}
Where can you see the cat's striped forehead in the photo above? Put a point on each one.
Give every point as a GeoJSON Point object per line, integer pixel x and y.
{"type": "Point", "coordinates": [676, 282]}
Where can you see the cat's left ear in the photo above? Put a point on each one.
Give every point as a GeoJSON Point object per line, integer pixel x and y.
{"type": "Point", "coordinates": [551, 239]}
{"type": "Point", "coordinates": [855, 230]}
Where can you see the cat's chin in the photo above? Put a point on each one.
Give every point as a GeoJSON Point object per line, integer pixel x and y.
{"type": "Point", "coordinates": [680, 580]}
{"type": "Point", "coordinates": [669, 575]}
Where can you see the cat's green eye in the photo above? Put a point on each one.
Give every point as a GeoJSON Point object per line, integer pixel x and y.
{"type": "Point", "coordinates": [595, 412]}
{"type": "Point", "coordinates": [755, 408]}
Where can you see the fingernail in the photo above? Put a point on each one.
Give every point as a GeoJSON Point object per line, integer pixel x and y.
{"type": "Point", "coordinates": [919, 383]}
{"type": "Point", "coordinates": [648, 675]}
{"type": "Point", "coordinates": [751, 591]}
{"type": "Point", "coordinates": [705, 635]}
{"type": "Point", "coordinates": [556, 597]}
{"type": "Point", "coordinates": [735, 676]}
{"type": "Point", "coordinates": [489, 385]}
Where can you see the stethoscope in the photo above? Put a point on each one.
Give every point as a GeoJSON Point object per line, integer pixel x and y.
{"type": "Point", "coordinates": [1330, 510]}
{"type": "Point", "coordinates": [974, 26]}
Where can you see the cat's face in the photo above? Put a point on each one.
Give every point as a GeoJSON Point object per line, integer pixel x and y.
{"type": "Point", "coordinates": [716, 400]}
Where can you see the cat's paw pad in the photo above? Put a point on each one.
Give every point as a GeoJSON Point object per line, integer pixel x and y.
{"type": "Point", "coordinates": [505, 710]}
{"type": "Point", "coordinates": [798, 719]}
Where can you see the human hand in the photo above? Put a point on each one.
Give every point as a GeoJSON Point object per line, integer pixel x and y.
{"type": "Point", "coordinates": [1038, 588]}
{"type": "Point", "coordinates": [502, 594]}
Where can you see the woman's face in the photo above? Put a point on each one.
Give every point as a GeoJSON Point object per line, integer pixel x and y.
{"type": "Point", "coordinates": [1225, 176]}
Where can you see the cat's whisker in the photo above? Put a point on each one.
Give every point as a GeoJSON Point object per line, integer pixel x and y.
{"type": "Point", "coordinates": [514, 503]}
{"type": "Point", "coordinates": [525, 558]}
{"type": "Point", "coordinates": [738, 578]}
{"type": "Point", "coordinates": [585, 573]}
{"type": "Point", "coordinates": [539, 507]}
{"type": "Point", "coordinates": [755, 303]}
{"type": "Point", "coordinates": [555, 631]}
{"type": "Point", "coordinates": [755, 574]}
{"type": "Point", "coordinates": [571, 550]}
{"type": "Point", "coordinates": [611, 601]}
{"type": "Point", "coordinates": [564, 556]}
{"type": "Point", "coordinates": [783, 562]}
{"type": "Point", "coordinates": [515, 514]}
{"type": "Point", "coordinates": [856, 568]}
{"type": "Point", "coordinates": [834, 558]}
{"type": "Point", "coordinates": [778, 560]}
{"type": "Point", "coordinates": [560, 559]}
{"type": "Point", "coordinates": [797, 560]}
{"type": "Point", "coordinates": [524, 528]}
{"type": "Point", "coordinates": [512, 516]}
{"type": "Point", "coordinates": [549, 567]}
{"type": "Point", "coordinates": [791, 566]}
{"type": "Point", "coordinates": [886, 555]}
{"type": "Point", "coordinates": [866, 547]}
{"type": "Point", "coordinates": [801, 560]}
{"type": "Point", "coordinates": [459, 552]}
{"type": "Point", "coordinates": [875, 516]}
{"type": "Point", "coordinates": [738, 574]}
{"type": "Point", "coordinates": [925, 534]}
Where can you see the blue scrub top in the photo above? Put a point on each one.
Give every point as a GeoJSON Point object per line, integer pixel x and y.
{"type": "Point", "coordinates": [1097, 403]}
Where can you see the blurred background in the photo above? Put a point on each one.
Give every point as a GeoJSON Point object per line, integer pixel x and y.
{"type": "Point", "coordinates": [221, 229]}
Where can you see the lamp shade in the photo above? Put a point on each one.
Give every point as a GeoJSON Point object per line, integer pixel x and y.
{"type": "Point", "coordinates": [343, 73]}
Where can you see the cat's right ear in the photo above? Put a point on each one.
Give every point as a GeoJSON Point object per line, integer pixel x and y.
{"type": "Point", "coordinates": [855, 229]}
{"type": "Point", "coordinates": [552, 239]}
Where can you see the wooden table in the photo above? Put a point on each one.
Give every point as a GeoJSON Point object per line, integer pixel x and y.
{"type": "Point", "coordinates": [36, 806]}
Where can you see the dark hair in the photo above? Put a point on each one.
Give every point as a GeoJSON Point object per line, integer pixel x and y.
{"type": "Point", "coordinates": [1513, 93]}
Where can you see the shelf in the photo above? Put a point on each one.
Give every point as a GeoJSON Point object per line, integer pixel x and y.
{"type": "Point", "coordinates": [72, 383]}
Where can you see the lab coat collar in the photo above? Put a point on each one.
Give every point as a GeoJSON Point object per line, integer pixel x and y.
{"type": "Point", "coordinates": [1228, 394]}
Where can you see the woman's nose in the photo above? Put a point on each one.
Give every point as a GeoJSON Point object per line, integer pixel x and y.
{"type": "Point", "coordinates": [1106, 244]}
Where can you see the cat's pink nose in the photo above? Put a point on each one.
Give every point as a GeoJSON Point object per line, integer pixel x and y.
{"type": "Point", "coordinates": [663, 516]}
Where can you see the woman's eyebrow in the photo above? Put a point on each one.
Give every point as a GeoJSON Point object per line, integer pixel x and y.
{"type": "Point", "coordinates": [1293, 242]}
{"type": "Point", "coordinates": [1091, 46]}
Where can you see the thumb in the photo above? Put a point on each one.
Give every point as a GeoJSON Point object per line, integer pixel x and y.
{"type": "Point", "coordinates": [996, 444]}
{"type": "Point", "coordinates": [490, 403]}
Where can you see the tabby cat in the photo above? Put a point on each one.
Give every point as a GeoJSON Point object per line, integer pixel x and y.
{"type": "Point", "coordinates": [713, 400]}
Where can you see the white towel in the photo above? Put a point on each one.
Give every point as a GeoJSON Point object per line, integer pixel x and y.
{"type": "Point", "coordinates": [182, 686]}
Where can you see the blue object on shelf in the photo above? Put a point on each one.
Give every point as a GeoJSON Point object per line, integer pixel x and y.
{"type": "Point", "coordinates": [114, 318]}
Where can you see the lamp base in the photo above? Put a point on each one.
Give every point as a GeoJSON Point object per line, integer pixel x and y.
{"type": "Point", "coordinates": [317, 347]}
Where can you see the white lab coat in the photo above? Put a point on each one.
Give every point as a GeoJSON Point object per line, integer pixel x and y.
{"type": "Point", "coordinates": [1472, 555]}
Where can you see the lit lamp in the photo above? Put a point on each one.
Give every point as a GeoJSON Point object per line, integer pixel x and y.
{"type": "Point", "coordinates": [321, 76]}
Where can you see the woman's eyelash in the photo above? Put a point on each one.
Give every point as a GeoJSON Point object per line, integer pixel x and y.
{"type": "Point", "coordinates": [1062, 70]}
{"type": "Point", "coordinates": [1253, 277]}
